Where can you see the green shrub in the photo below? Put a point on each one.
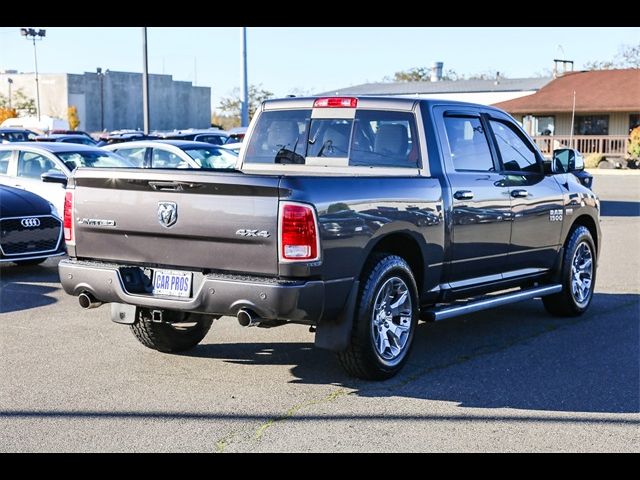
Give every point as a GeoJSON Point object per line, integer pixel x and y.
{"type": "Point", "coordinates": [634, 143]}
{"type": "Point", "coordinates": [592, 160]}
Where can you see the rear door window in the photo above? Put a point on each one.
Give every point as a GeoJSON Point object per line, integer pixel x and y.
{"type": "Point", "coordinates": [5, 157]}
{"type": "Point", "coordinates": [134, 155]}
{"type": "Point", "coordinates": [32, 165]}
{"type": "Point", "coordinates": [468, 144]}
{"type": "Point", "coordinates": [163, 159]}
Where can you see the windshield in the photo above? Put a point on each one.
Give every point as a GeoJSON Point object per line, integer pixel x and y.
{"type": "Point", "coordinates": [213, 157]}
{"type": "Point", "coordinates": [93, 159]}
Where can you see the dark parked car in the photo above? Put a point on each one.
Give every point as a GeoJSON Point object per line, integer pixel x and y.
{"type": "Point", "coordinates": [214, 137]}
{"type": "Point", "coordinates": [9, 135]}
{"type": "Point", "coordinates": [66, 138]}
{"type": "Point", "coordinates": [30, 231]}
{"type": "Point", "coordinates": [123, 137]}
{"type": "Point", "coordinates": [71, 132]}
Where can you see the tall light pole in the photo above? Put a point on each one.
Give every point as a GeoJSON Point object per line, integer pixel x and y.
{"type": "Point", "coordinates": [101, 77]}
{"type": "Point", "coordinates": [35, 34]}
{"type": "Point", "coordinates": [244, 84]}
{"type": "Point", "coordinates": [9, 81]}
{"type": "Point", "coordinates": [145, 82]}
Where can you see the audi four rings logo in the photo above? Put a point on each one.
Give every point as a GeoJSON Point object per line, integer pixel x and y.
{"type": "Point", "coordinates": [30, 222]}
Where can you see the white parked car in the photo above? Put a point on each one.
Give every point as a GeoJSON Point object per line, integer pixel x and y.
{"type": "Point", "coordinates": [43, 167]}
{"type": "Point", "coordinates": [175, 154]}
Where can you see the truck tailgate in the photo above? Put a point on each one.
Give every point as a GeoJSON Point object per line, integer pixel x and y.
{"type": "Point", "coordinates": [184, 218]}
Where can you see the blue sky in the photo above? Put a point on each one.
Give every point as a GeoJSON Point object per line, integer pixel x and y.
{"type": "Point", "coordinates": [312, 59]}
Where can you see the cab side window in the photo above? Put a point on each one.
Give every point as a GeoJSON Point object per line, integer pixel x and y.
{"type": "Point", "coordinates": [516, 155]}
{"type": "Point", "coordinates": [468, 144]}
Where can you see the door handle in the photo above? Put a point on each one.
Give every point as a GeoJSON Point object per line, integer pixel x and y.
{"type": "Point", "coordinates": [521, 193]}
{"type": "Point", "coordinates": [463, 195]}
{"type": "Point", "coordinates": [174, 186]}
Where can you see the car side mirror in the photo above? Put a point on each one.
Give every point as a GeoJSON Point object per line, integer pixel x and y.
{"type": "Point", "coordinates": [54, 177]}
{"type": "Point", "coordinates": [567, 160]}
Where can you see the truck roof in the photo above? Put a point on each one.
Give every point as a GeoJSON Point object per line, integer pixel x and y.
{"type": "Point", "coordinates": [368, 101]}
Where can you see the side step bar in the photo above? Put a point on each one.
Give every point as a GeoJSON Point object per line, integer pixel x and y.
{"type": "Point", "coordinates": [485, 303]}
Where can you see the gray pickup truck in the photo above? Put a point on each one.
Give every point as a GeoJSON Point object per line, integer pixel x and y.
{"type": "Point", "coordinates": [356, 216]}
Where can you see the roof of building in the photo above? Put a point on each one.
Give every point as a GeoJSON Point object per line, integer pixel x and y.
{"type": "Point", "coordinates": [445, 86]}
{"type": "Point", "coordinates": [596, 91]}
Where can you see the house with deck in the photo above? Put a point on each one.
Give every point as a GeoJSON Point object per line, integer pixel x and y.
{"type": "Point", "coordinates": [607, 108]}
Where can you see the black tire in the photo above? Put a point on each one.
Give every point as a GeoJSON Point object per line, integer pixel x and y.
{"type": "Point", "coordinates": [361, 358]}
{"type": "Point", "coordinates": [26, 263]}
{"type": "Point", "coordinates": [565, 303]}
{"type": "Point", "coordinates": [169, 338]}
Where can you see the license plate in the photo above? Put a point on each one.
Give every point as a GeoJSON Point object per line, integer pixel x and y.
{"type": "Point", "coordinates": [172, 283]}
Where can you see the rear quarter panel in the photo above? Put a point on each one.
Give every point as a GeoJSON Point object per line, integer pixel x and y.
{"type": "Point", "coordinates": [355, 213]}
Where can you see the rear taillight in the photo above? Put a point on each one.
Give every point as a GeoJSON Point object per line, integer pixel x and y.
{"type": "Point", "coordinates": [335, 102]}
{"type": "Point", "coordinates": [298, 233]}
{"type": "Point", "coordinates": [68, 216]}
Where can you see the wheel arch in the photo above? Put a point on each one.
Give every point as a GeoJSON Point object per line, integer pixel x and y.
{"type": "Point", "coordinates": [589, 223]}
{"type": "Point", "coordinates": [406, 245]}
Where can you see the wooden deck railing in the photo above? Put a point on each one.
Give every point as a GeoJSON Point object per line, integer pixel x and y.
{"type": "Point", "coordinates": [608, 145]}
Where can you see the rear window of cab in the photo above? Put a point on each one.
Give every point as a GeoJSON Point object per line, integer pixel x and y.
{"type": "Point", "coordinates": [373, 138]}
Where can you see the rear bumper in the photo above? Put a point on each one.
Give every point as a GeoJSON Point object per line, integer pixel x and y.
{"type": "Point", "coordinates": [298, 301]}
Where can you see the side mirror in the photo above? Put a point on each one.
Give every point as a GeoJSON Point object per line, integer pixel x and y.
{"type": "Point", "coordinates": [567, 160]}
{"type": "Point", "coordinates": [54, 177]}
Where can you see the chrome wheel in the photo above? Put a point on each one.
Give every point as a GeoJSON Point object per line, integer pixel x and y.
{"type": "Point", "coordinates": [582, 274]}
{"type": "Point", "coordinates": [391, 322]}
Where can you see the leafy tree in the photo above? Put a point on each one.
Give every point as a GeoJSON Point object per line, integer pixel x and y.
{"type": "Point", "coordinates": [628, 56]}
{"type": "Point", "coordinates": [24, 105]}
{"type": "Point", "coordinates": [416, 74]}
{"type": "Point", "coordinates": [423, 74]}
{"type": "Point", "coordinates": [225, 122]}
{"type": "Point", "coordinates": [72, 116]}
{"type": "Point", "coordinates": [634, 143]}
{"type": "Point", "coordinates": [232, 104]}
{"type": "Point", "coordinates": [6, 112]}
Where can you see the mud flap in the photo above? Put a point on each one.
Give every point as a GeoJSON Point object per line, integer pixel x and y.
{"type": "Point", "coordinates": [123, 313]}
{"type": "Point", "coordinates": [335, 335]}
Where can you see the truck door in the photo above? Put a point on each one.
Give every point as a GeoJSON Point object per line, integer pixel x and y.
{"type": "Point", "coordinates": [480, 205]}
{"type": "Point", "coordinates": [536, 198]}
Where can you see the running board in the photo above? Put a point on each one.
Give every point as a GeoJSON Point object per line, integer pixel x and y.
{"type": "Point", "coordinates": [485, 303]}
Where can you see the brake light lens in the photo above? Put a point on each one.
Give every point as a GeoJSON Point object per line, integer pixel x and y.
{"type": "Point", "coordinates": [298, 233]}
{"type": "Point", "coordinates": [68, 216]}
{"type": "Point", "coordinates": [335, 102]}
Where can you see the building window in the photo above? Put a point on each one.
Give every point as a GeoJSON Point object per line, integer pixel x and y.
{"type": "Point", "coordinates": [591, 125]}
{"type": "Point", "coordinates": [544, 125]}
{"type": "Point", "coordinates": [634, 121]}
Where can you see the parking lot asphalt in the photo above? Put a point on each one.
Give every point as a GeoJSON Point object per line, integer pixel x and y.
{"type": "Point", "coordinates": [508, 379]}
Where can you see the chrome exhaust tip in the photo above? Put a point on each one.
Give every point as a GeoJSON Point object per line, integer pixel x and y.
{"type": "Point", "coordinates": [247, 318]}
{"type": "Point", "coordinates": [87, 301]}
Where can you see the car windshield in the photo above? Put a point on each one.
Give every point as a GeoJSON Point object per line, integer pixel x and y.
{"type": "Point", "coordinates": [213, 157]}
{"type": "Point", "coordinates": [93, 159]}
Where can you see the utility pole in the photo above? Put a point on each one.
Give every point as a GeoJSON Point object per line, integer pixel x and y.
{"type": "Point", "coordinates": [573, 115]}
{"type": "Point", "coordinates": [101, 77]}
{"type": "Point", "coordinates": [145, 82]}
{"type": "Point", "coordinates": [244, 84]}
